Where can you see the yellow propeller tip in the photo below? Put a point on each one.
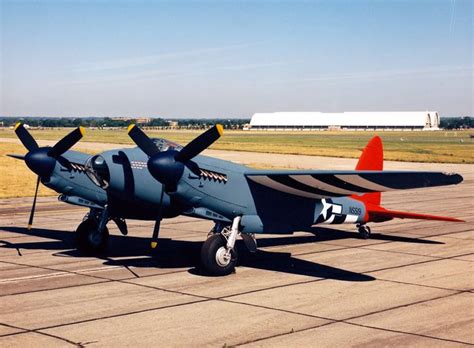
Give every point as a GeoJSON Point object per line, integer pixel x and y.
{"type": "Point", "coordinates": [130, 127]}
{"type": "Point", "coordinates": [82, 130]}
{"type": "Point", "coordinates": [154, 244]}
{"type": "Point", "coordinates": [220, 129]}
{"type": "Point", "coordinates": [29, 227]}
{"type": "Point", "coordinates": [18, 124]}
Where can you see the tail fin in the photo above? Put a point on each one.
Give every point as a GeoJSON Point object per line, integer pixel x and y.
{"type": "Point", "coordinates": [371, 159]}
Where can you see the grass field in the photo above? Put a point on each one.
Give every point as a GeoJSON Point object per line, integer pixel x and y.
{"type": "Point", "coordinates": [439, 146]}
{"type": "Point", "coordinates": [16, 180]}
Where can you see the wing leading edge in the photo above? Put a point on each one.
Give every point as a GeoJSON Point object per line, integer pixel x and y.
{"type": "Point", "coordinates": [327, 184]}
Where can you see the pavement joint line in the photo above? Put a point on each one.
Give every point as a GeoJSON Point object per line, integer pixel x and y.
{"type": "Point", "coordinates": [67, 272]}
{"type": "Point", "coordinates": [412, 254]}
{"type": "Point", "coordinates": [368, 246]}
{"type": "Point", "coordinates": [411, 264]}
{"type": "Point", "coordinates": [58, 288]}
{"type": "Point", "coordinates": [125, 279]}
{"type": "Point", "coordinates": [352, 324]}
{"type": "Point", "coordinates": [284, 334]}
{"type": "Point", "coordinates": [59, 273]}
{"type": "Point", "coordinates": [346, 321]}
{"type": "Point", "coordinates": [25, 331]}
{"type": "Point", "coordinates": [453, 293]}
{"type": "Point", "coordinates": [105, 280]}
{"type": "Point", "coordinates": [118, 315]}
{"type": "Point", "coordinates": [112, 280]}
{"type": "Point", "coordinates": [410, 333]}
{"type": "Point", "coordinates": [421, 285]}
{"type": "Point", "coordinates": [365, 272]}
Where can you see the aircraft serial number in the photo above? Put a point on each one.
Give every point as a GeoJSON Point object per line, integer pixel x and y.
{"type": "Point", "coordinates": [355, 211]}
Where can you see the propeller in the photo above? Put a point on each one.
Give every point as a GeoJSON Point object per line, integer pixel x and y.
{"type": "Point", "coordinates": [33, 207]}
{"type": "Point", "coordinates": [42, 160]}
{"type": "Point", "coordinates": [167, 167]}
{"type": "Point", "coordinates": [156, 228]}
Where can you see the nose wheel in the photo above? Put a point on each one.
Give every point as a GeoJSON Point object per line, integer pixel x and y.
{"type": "Point", "coordinates": [364, 231]}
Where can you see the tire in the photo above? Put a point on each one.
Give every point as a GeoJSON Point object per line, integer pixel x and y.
{"type": "Point", "coordinates": [364, 232]}
{"type": "Point", "coordinates": [88, 245]}
{"type": "Point", "coordinates": [212, 251]}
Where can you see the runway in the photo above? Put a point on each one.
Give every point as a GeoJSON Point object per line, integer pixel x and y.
{"type": "Point", "coordinates": [411, 284]}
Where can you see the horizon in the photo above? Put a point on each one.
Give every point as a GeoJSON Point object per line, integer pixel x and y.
{"type": "Point", "coordinates": [228, 60]}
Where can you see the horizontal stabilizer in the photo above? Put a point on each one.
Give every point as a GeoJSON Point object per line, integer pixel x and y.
{"type": "Point", "coordinates": [326, 184]}
{"type": "Point", "coordinates": [379, 214]}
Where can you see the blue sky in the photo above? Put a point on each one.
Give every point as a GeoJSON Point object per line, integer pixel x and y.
{"type": "Point", "coordinates": [234, 58]}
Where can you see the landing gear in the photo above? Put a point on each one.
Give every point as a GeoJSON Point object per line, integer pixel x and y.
{"type": "Point", "coordinates": [89, 240]}
{"type": "Point", "coordinates": [92, 234]}
{"type": "Point", "coordinates": [218, 255]}
{"type": "Point", "coordinates": [364, 231]}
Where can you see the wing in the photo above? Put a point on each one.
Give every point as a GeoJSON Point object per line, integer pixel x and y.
{"type": "Point", "coordinates": [326, 184]}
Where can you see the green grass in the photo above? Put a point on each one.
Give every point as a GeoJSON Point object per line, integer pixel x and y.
{"type": "Point", "coordinates": [411, 146]}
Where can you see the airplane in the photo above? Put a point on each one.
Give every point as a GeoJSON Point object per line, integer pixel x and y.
{"type": "Point", "coordinates": [161, 179]}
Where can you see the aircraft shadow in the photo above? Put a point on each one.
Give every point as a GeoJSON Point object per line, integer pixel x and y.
{"type": "Point", "coordinates": [135, 251]}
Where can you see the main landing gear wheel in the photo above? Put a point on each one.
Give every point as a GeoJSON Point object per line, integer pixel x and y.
{"type": "Point", "coordinates": [364, 231]}
{"type": "Point", "coordinates": [216, 258]}
{"type": "Point", "coordinates": [89, 240]}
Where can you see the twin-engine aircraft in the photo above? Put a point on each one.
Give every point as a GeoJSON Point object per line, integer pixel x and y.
{"type": "Point", "coordinates": [161, 179]}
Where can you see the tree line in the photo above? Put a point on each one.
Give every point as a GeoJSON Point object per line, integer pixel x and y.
{"type": "Point", "coordinates": [107, 122]}
{"type": "Point", "coordinates": [456, 122]}
{"type": "Point", "coordinates": [190, 123]}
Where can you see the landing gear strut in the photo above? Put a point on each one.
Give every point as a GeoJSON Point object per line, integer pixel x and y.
{"type": "Point", "coordinates": [364, 231]}
{"type": "Point", "coordinates": [218, 255]}
{"type": "Point", "coordinates": [92, 234]}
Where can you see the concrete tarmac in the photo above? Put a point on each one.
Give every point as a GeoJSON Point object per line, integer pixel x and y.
{"type": "Point", "coordinates": [411, 284]}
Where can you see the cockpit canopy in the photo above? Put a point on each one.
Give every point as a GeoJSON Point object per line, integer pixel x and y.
{"type": "Point", "coordinates": [98, 171]}
{"type": "Point", "coordinates": [165, 145]}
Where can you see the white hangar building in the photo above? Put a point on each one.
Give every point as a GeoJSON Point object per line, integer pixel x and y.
{"type": "Point", "coordinates": [373, 120]}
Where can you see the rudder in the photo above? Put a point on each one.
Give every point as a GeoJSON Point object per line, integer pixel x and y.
{"type": "Point", "coordinates": [371, 159]}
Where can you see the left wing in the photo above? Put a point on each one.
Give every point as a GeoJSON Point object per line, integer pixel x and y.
{"type": "Point", "coordinates": [327, 184]}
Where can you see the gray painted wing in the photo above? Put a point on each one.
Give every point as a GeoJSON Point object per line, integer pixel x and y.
{"type": "Point", "coordinates": [326, 184]}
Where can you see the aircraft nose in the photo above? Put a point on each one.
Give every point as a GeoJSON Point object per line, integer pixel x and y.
{"type": "Point", "coordinates": [40, 163]}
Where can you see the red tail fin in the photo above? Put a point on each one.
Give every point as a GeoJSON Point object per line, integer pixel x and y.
{"type": "Point", "coordinates": [371, 159]}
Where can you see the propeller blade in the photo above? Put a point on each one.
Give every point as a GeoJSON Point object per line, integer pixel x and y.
{"type": "Point", "coordinates": [156, 228]}
{"type": "Point", "coordinates": [25, 137]}
{"type": "Point", "coordinates": [15, 156]}
{"type": "Point", "coordinates": [67, 142]}
{"type": "Point", "coordinates": [64, 162]}
{"type": "Point", "coordinates": [142, 140]}
{"type": "Point", "coordinates": [33, 207]}
{"type": "Point", "coordinates": [199, 144]}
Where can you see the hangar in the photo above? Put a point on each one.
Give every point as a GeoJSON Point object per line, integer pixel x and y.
{"type": "Point", "coordinates": [373, 120]}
